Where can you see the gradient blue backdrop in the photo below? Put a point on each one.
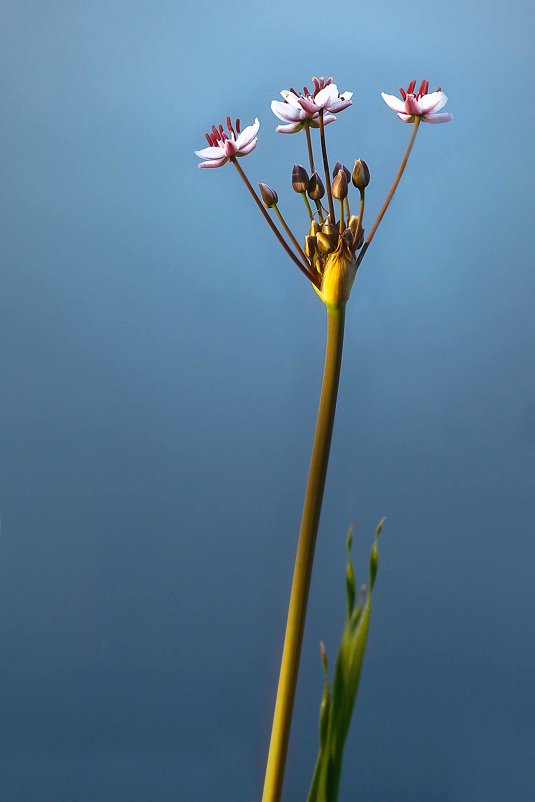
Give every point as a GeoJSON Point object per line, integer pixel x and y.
{"type": "Point", "coordinates": [161, 362]}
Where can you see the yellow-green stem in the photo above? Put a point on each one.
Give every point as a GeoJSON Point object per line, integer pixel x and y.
{"type": "Point", "coordinates": [295, 626]}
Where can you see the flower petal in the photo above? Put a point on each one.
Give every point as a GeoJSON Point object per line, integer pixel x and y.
{"type": "Point", "coordinates": [328, 118]}
{"type": "Point", "coordinates": [247, 148]}
{"type": "Point", "coordinates": [326, 96]}
{"type": "Point", "coordinates": [218, 163]}
{"type": "Point", "coordinates": [339, 105]}
{"type": "Point", "coordinates": [291, 98]}
{"type": "Point", "coordinates": [437, 118]}
{"type": "Point", "coordinates": [292, 128]}
{"type": "Point", "coordinates": [308, 105]}
{"type": "Point", "coordinates": [210, 153]}
{"type": "Point", "coordinates": [286, 112]}
{"type": "Point", "coordinates": [412, 106]}
{"type": "Point", "coordinates": [433, 102]}
{"type": "Point", "coordinates": [346, 95]}
{"type": "Point", "coordinates": [407, 118]}
{"type": "Point", "coordinates": [395, 103]}
{"type": "Point", "coordinates": [247, 134]}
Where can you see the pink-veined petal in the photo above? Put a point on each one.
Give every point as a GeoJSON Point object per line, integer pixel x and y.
{"type": "Point", "coordinates": [412, 106]}
{"type": "Point", "coordinates": [217, 163]}
{"type": "Point", "coordinates": [229, 147]}
{"type": "Point", "coordinates": [328, 118]}
{"type": "Point", "coordinates": [210, 153]}
{"type": "Point", "coordinates": [339, 105]}
{"type": "Point", "coordinates": [308, 105]}
{"type": "Point", "coordinates": [247, 148]}
{"type": "Point", "coordinates": [292, 128]}
{"type": "Point", "coordinates": [326, 96]}
{"type": "Point", "coordinates": [437, 118]}
{"type": "Point", "coordinates": [407, 118]}
{"type": "Point", "coordinates": [247, 134]}
{"type": "Point", "coordinates": [286, 112]}
{"type": "Point", "coordinates": [395, 103]}
{"type": "Point", "coordinates": [433, 102]}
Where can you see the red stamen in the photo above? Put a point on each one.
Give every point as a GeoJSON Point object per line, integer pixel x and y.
{"type": "Point", "coordinates": [238, 125]}
{"type": "Point", "coordinates": [410, 90]}
{"type": "Point", "coordinates": [292, 90]}
{"type": "Point", "coordinates": [316, 84]}
{"type": "Point", "coordinates": [209, 140]}
{"type": "Point", "coordinates": [229, 126]}
{"type": "Point", "coordinates": [329, 81]}
{"type": "Point", "coordinates": [438, 89]}
{"type": "Point", "coordinates": [221, 130]}
{"type": "Point", "coordinates": [403, 93]}
{"type": "Point", "coordinates": [224, 137]}
{"type": "Point", "coordinates": [215, 133]}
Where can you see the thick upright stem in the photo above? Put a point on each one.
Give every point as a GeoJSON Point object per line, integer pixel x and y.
{"type": "Point", "coordinates": [293, 639]}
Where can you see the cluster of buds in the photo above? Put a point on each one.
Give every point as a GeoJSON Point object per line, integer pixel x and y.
{"type": "Point", "coordinates": [331, 245]}
{"type": "Point", "coordinates": [334, 246]}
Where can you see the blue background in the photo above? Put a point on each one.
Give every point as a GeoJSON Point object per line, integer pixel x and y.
{"type": "Point", "coordinates": [161, 361]}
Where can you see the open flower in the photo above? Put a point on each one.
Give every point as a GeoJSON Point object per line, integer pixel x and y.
{"type": "Point", "coordinates": [300, 110]}
{"type": "Point", "coordinates": [423, 104]}
{"type": "Point", "coordinates": [223, 146]}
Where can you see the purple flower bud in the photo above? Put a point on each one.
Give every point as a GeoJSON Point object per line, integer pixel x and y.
{"type": "Point", "coordinates": [315, 190]}
{"type": "Point", "coordinates": [339, 166]}
{"type": "Point", "coordinates": [299, 178]}
{"type": "Point", "coordinates": [269, 196]}
{"type": "Point", "coordinates": [361, 174]}
{"type": "Point", "coordinates": [339, 186]}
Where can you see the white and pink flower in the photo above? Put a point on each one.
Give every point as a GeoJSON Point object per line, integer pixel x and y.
{"type": "Point", "coordinates": [223, 146]}
{"type": "Point", "coordinates": [300, 110]}
{"type": "Point", "coordinates": [421, 104]}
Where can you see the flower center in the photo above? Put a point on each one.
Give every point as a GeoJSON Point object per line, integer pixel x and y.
{"type": "Point", "coordinates": [423, 90]}
{"type": "Point", "coordinates": [217, 136]}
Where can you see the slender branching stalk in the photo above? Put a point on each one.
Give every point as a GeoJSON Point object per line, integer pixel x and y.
{"type": "Point", "coordinates": [326, 166]}
{"type": "Point", "coordinates": [393, 188]}
{"type": "Point", "coordinates": [303, 267]}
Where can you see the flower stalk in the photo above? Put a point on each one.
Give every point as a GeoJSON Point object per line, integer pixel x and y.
{"type": "Point", "coordinates": [330, 257]}
{"type": "Point", "coordinates": [295, 626]}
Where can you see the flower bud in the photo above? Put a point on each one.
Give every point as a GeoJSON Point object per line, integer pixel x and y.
{"type": "Point", "coordinates": [310, 246]}
{"type": "Point", "coordinates": [339, 166]}
{"type": "Point", "coordinates": [299, 178]}
{"type": "Point", "coordinates": [339, 186]}
{"type": "Point", "coordinates": [315, 190]}
{"type": "Point", "coordinates": [348, 236]}
{"type": "Point", "coordinates": [329, 228]}
{"type": "Point", "coordinates": [326, 243]}
{"type": "Point", "coordinates": [269, 196]}
{"type": "Point", "coordinates": [353, 223]}
{"type": "Point", "coordinates": [360, 240]}
{"type": "Point", "coordinates": [361, 174]}
{"type": "Point", "coordinates": [314, 228]}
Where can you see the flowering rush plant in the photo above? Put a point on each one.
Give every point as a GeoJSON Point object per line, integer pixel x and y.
{"type": "Point", "coordinates": [329, 256]}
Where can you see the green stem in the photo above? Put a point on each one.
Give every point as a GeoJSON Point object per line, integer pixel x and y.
{"type": "Point", "coordinates": [293, 638]}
